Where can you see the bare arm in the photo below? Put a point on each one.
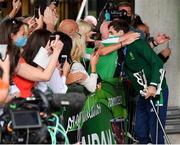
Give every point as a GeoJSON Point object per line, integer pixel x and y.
{"type": "Point", "coordinates": [35, 74]}
{"type": "Point", "coordinates": [75, 77]}
{"type": "Point", "coordinates": [16, 7]}
{"type": "Point", "coordinates": [79, 76]}
{"type": "Point", "coordinates": [160, 39]}
{"type": "Point", "coordinates": [88, 81]}
{"type": "Point", "coordinates": [104, 50]}
{"type": "Point", "coordinates": [126, 39]}
{"type": "Point", "coordinates": [4, 81]}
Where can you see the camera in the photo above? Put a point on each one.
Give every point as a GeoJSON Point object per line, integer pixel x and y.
{"type": "Point", "coordinates": [121, 14]}
{"type": "Point", "coordinates": [52, 38]}
{"type": "Point", "coordinates": [3, 51]}
{"type": "Point", "coordinates": [63, 60]}
{"type": "Point", "coordinates": [114, 13]}
{"type": "Point", "coordinates": [29, 117]}
{"type": "Point", "coordinates": [28, 121]}
{"type": "Point", "coordinates": [25, 115]}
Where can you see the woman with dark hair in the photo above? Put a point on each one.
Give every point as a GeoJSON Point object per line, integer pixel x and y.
{"type": "Point", "coordinates": [27, 72]}
{"type": "Point", "coordinates": [7, 29]}
{"type": "Point", "coordinates": [36, 40]}
{"type": "Point", "coordinates": [14, 30]}
{"type": "Point", "coordinates": [16, 5]}
{"type": "Point", "coordinates": [67, 41]}
{"type": "Point", "coordinates": [57, 83]}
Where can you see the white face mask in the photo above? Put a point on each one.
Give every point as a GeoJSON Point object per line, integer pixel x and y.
{"type": "Point", "coordinates": [112, 36]}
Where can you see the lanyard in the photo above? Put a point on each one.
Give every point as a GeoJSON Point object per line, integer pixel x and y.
{"type": "Point", "coordinates": [122, 72]}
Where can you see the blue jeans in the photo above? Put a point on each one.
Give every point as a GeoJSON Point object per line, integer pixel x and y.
{"type": "Point", "coordinates": [145, 124]}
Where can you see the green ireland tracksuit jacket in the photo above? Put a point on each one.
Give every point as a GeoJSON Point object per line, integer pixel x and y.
{"type": "Point", "coordinates": [139, 56]}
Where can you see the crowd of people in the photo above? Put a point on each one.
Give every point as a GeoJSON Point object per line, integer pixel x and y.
{"type": "Point", "coordinates": [125, 48]}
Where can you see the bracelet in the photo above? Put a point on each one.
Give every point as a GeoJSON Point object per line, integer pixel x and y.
{"type": "Point", "coordinates": [121, 45]}
{"type": "Point", "coordinates": [3, 85]}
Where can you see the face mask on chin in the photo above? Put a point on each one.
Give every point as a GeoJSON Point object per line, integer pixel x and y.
{"type": "Point", "coordinates": [21, 41]}
{"type": "Point", "coordinates": [113, 36]}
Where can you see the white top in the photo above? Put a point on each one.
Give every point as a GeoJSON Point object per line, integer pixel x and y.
{"type": "Point", "coordinates": [57, 83]}
{"type": "Point", "coordinates": [90, 82]}
{"type": "Point", "coordinates": [13, 89]}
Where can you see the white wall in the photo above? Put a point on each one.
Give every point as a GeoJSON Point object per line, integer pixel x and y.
{"type": "Point", "coordinates": [164, 16]}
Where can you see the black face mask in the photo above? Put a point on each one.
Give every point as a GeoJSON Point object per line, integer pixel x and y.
{"type": "Point", "coordinates": [147, 36]}
{"type": "Point", "coordinates": [129, 19]}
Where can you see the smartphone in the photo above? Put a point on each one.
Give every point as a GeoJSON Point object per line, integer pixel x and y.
{"type": "Point", "coordinates": [95, 49]}
{"type": "Point", "coordinates": [52, 37]}
{"type": "Point", "coordinates": [36, 12]}
{"type": "Point", "coordinates": [3, 51]}
{"type": "Point", "coordinates": [0, 56]}
{"type": "Point", "coordinates": [63, 60]}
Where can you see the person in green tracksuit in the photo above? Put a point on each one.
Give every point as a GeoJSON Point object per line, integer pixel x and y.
{"type": "Point", "coordinates": [139, 58]}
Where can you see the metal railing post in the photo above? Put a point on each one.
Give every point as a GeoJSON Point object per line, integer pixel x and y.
{"type": "Point", "coordinates": [83, 4]}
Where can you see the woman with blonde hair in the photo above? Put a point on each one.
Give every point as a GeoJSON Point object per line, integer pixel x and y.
{"type": "Point", "coordinates": [77, 53]}
{"type": "Point", "coordinates": [86, 30]}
